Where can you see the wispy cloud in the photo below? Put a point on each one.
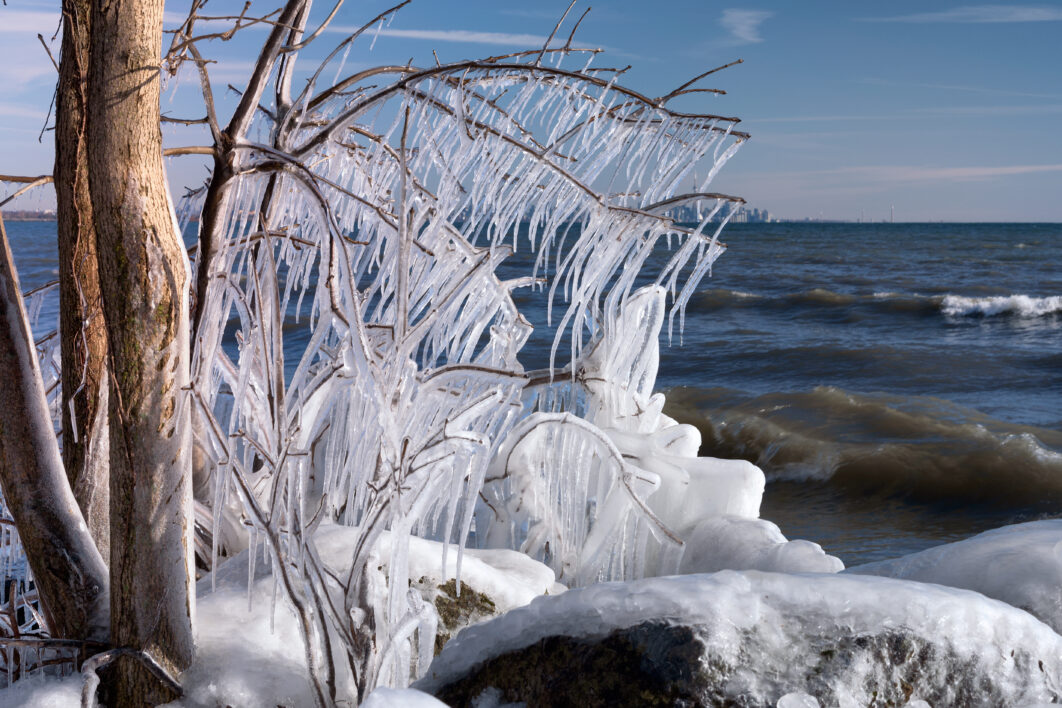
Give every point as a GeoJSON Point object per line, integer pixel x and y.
{"type": "Point", "coordinates": [980, 14]}
{"type": "Point", "coordinates": [22, 111]}
{"type": "Point", "coordinates": [952, 174]}
{"type": "Point", "coordinates": [966, 89]}
{"type": "Point", "coordinates": [815, 119]}
{"type": "Point", "coordinates": [990, 110]}
{"type": "Point", "coordinates": [912, 173]}
{"type": "Point", "coordinates": [908, 113]}
{"type": "Point", "coordinates": [14, 21]}
{"type": "Point", "coordinates": [532, 14]}
{"type": "Point", "coordinates": [744, 25]}
{"type": "Point", "coordinates": [466, 36]}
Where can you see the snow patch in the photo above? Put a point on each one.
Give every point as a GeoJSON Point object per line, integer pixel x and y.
{"type": "Point", "coordinates": [1019, 564]}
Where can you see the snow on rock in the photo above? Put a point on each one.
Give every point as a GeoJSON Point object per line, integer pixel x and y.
{"type": "Point", "coordinates": [797, 699]}
{"type": "Point", "coordinates": [509, 578]}
{"type": "Point", "coordinates": [751, 637]}
{"type": "Point", "coordinates": [242, 662]}
{"type": "Point", "coordinates": [737, 543]}
{"type": "Point", "coordinates": [248, 652]}
{"type": "Point", "coordinates": [401, 698]}
{"type": "Point", "coordinates": [43, 692]}
{"type": "Point", "coordinates": [1020, 565]}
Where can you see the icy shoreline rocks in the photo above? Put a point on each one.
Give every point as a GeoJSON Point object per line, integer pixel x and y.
{"type": "Point", "coordinates": [749, 638]}
{"type": "Point", "coordinates": [1019, 564]}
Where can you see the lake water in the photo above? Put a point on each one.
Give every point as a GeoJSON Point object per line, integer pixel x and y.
{"type": "Point", "coordinates": [900, 384]}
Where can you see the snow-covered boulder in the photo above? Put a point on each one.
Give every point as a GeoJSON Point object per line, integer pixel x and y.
{"type": "Point", "coordinates": [1020, 565]}
{"type": "Point", "coordinates": [739, 543]}
{"type": "Point", "coordinates": [750, 638]}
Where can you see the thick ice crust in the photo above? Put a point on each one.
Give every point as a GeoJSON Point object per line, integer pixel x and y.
{"type": "Point", "coordinates": [1019, 564]}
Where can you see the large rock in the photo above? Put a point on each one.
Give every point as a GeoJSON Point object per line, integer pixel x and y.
{"type": "Point", "coordinates": [750, 638]}
{"type": "Point", "coordinates": [1020, 565]}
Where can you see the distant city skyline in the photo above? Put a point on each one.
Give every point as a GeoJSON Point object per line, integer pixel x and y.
{"type": "Point", "coordinates": [948, 114]}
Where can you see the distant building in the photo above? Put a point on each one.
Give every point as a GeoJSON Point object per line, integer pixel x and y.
{"type": "Point", "coordinates": [689, 214]}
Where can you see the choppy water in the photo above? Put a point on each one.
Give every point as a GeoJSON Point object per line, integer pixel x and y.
{"type": "Point", "coordinates": [901, 385]}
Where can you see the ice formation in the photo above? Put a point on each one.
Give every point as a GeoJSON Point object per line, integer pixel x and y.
{"type": "Point", "coordinates": [737, 543]}
{"type": "Point", "coordinates": [1020, 565]}
{"type": "Point", "coordinates": [699, 513]}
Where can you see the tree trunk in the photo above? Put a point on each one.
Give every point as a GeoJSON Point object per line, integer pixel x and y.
{"type": "Point", "coordinates": [69, 572]}
{"type": "Point", "coordinates": [144, 277]}
{"type": "Point", "coordinates": [83, 338]}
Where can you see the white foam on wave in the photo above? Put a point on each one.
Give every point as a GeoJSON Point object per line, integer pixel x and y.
{"type": "Point", "coordinates": [1020, 305]}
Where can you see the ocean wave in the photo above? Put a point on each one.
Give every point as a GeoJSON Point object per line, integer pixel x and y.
{"type": "Point", "coordinates": [1015, 305]}
{"type": "Point", "coordinates": [1018, 305]}
{"type": "Point", "coordinates": [822, 299]}
{"type": "Point", "coordinates": [920, 447]}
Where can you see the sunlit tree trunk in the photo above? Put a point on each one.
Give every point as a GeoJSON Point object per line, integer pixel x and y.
{"type": "Point", "coordinates": [69, 572]}
{"type": "Point", "coordinates": [83, 339]}
{"type": "Point", "coordinates": [144, 279]}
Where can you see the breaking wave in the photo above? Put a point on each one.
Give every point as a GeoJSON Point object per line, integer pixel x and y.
{"type": "Point", "coordinates": [1018, 305]}
{"type": "Point", "coordinates": [920, 448]}
{"type": "Point", "coordinates": [888, 302]}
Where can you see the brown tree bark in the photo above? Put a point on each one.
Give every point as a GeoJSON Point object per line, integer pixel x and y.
{"type": "Point", "coordinates": [69, 572]}
{"type": "Point", "coordinates": [83, 338]}
{"type": "Point", "coordinates": [144, 279]}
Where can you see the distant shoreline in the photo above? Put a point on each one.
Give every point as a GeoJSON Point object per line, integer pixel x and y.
{"type": "Point", "coordinates": [19, 215]}
{"type": "Point", "coordinates": [48, 215]}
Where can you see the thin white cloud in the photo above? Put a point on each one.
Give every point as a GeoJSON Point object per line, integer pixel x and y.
{"type": "Point", "coordinates": [980, 14]}
{"type": "Point", "coordinates": [14, 21]}
{"type": "Point", "coordinates": [967, 89]}
{"type": "Point", "coordinates": [744, 25]}
{"type": "Point", "coordinates": [466, 36]}
{"type": "Point", "coordinates": [532, 14]}
{"type": "Point", "coordinates": [908, 113]}
{"type": "Point", "coordinates": [951, 174]}
{"type": "Point", "coordinates": [912, 173]}
{"type": "Point", "coordinates": [22, 111]}
{"type": "Point", "coordinates": [814, 119]}
{"type": "Point", "coordinates": [172, 18]}
{"type": "Point", "coordinates": [991, 110]}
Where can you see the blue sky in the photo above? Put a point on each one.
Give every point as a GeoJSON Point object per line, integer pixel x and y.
{"type": "Point", "coordinates": [947, 111]}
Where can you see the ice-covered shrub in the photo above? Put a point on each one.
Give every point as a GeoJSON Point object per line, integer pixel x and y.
{"type": "Point", "coordinates": [357, 358]}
